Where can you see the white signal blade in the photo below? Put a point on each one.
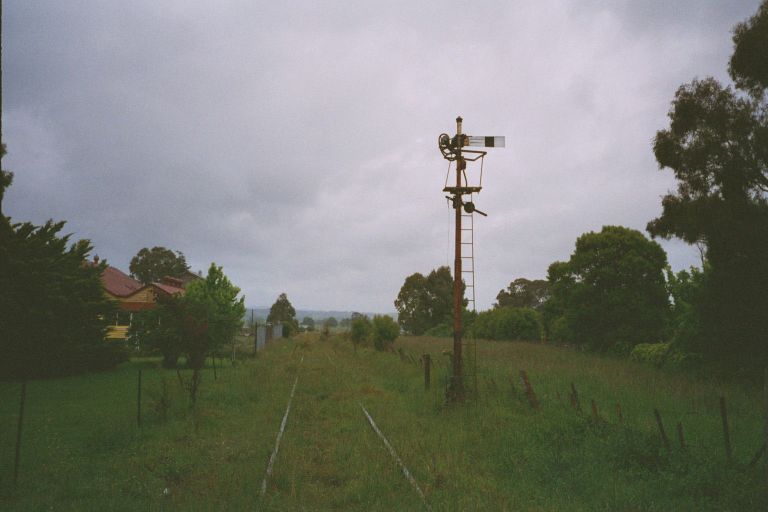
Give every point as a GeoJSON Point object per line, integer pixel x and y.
{"type": "Point", "coordinates": [485, 142]}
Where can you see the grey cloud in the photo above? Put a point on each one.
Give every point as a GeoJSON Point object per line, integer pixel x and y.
{"type": "Point", "coordinates": [295, 143]}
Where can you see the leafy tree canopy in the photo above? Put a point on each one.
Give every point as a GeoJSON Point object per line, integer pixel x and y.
{"type": "Point", "coordinates": [6, 178]}
{"type": "Point", "coordinates": [282, 311]}
{"type": "Point", "coordinates": [53, 311]}
{"type": "Point", "coordinates": [384, 331]}
{"type": "Point", "coordinates": [524, 293]}
{"type": "Point", "coordinates": [207, 316]}
{"type": "Point", "coordinates": [717, 147]}
{"type": "Point", "coordinates": [748, 66]}
{"type": "Point", "coordinates": [424, 302]}
{"type": "Point", "coordinates": [507, 323]}
{"type": "Point", "coordinates": [359, 329]}
{"type": "Point", "coordinates": [151, 265]}
{"type": "Point", "coordinates": [612, 290]}
{"type": "Point", "coordinates": [215, 299]}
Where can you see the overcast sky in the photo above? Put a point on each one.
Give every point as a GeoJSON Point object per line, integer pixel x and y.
{"type": "Point", "coordinates": [295, 143]}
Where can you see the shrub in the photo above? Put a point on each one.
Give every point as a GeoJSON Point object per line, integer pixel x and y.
{"type": "Point", "coordinates": [444, 330]}
{"type": "Point", "coordinates": [507, 324]}
{"type": "Point", "coordinates": [664, 354]}
{"type": "Point", "coordinates": [53, 311]}
{"type": "Point", "coordinates": [653, 353]}
{"type": "Point", "coordinates": [560, 331]}
{"type": "Point", "coordinates": [359, 330]}
{"type": "Point", "coordinates": [385, 331]}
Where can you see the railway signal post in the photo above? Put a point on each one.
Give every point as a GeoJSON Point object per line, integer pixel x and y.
{"type": "Point", "coordinates": [451, 149]}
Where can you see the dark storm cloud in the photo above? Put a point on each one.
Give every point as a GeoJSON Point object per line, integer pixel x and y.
{"type": "Point", "coordinates": [295, 143]}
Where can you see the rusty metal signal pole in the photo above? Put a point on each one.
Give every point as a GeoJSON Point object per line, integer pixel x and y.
{"type": "Point", "coordinates": [451, 150]}
{"type": "Point", "coordinates": [456, 389]}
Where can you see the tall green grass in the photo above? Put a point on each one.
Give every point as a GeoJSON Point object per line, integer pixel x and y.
{"type": "Point", "coordinates": [82, 449]}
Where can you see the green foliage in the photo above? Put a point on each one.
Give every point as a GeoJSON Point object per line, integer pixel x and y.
{"type": "Point", "coordinates": [331, 322]}
{"type": "Point", "coordinates": [159, 329]}
{"type": "Point", "coordinates": [524, 293]}
{"type": "Point", "coordinates": [206, 317]}
{"type": "Point", "coordinates": [309, 323]}
{"type": "Point", "coordinates": [214, 301]}
{"type": "Point", "coordinates": [424, 302]}
{"type": "Point", "coordinates": [653, 353]}
{"type": "Point", "coordinates": [685, 288]}
{"type": "Point", "coordinates": [360, 329]}
{"type": "Point", "coordinates": [444, 330]}
{"type": "Point", "coordinates": [559, 330]}
{"type": "Point", "coordinates": [748, 66]}
{"type": "Point", "coordinates": [6, 178]}
{"type": "Point", "coordinates": [484, 457]}
{"type": "Point", "coordinates": [507, 324]}
{"type": "Point", "coordinates": [717, 147]}
{"type": "Point", "coordinates": [611, 294]}
{"type": "Point", "coordinates": [664, 354]}
{"type": "Point", "coordinates": [282, 311]}
{"type": "Point", "coordinates": [384, 331]}
{"type": "Point", "coordinates": [53, 311]}
{"type": "Point", "coordinates": [152, 265]}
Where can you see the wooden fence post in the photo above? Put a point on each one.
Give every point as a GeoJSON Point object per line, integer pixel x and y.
{"type": "Point", "coordinates": [759, 453]}
{"type": "Point", "coordinates": [138, 402]}
{"type": "Point", "coordinates": [17, 460]}
{"type": "Point", "coordinates": [662, 432]}
{"type": "Point", "coordinates": [575, 398]}
{"type": "Point", "coordinates": [532, 400]}
{"type": "Point", "coordinates": [594, 410]}
{"type": "Point", "coordinates": [680, 436]}
{"type": "Point", "coordinates": [726, 431]}
{"type": "Point", "coordinates": [427, 364]}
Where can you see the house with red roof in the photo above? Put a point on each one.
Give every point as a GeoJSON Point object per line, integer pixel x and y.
{"type": "Point", "coordinates": [132, 296]}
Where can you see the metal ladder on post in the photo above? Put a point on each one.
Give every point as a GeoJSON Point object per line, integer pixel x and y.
{"type": "Point", "coordinates": [468, 261]}
{"type": "Point", "coordinates": [468, 270]}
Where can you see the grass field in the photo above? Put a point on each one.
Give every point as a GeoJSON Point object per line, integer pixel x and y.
{"type": "Point", "coordinates": [82, 449]}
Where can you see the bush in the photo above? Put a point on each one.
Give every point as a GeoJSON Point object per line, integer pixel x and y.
{"type": "Point", "coordinates": [53, 311]}
{"type": "Point", "coordinates": [664, 354]}
{"type": "Point", "coordinates": [653, 353]}
{"type": "Point", "coordinates": [560, 331]}
{"type": "Point", "coordinates": [444, 330]}
{"type": "Point", "coordinates": [507, 324]}
{"type": "Point", "coordinates": [359, 330]}
{"type": "Point", "coordinates": [385, 331]}
{"type": "Point", "coordinates": [612, 290]}
{"type": "Point", "coordinates": [158, 330]}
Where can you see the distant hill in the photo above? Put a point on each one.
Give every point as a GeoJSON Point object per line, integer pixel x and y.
{"type": "Point", "coordinates": [261, 313]}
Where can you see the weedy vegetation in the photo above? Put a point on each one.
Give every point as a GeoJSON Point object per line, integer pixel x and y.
{"type": "Point", "coordinates": [83, 450]}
